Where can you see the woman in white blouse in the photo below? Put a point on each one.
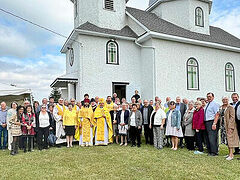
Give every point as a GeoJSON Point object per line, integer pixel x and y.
{"type": "Point", "coordinates": [43, 124]}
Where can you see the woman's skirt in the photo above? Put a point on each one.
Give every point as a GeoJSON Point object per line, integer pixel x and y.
{"type": "Point", "coordinates": [70, 130]}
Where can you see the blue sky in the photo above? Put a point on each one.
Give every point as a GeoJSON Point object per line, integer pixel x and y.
{"type": "Point", "coordinates": [30, 57]}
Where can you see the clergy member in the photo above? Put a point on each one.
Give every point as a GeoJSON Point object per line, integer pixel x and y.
{"type": "Point", "coordinates": [103, 130]}
{"type": "Point", "coordinates": [58, 113]}
{"type": "Point", "coordinates": [85, 118]}
{"type": "Point", "coordinates": [109, 104]}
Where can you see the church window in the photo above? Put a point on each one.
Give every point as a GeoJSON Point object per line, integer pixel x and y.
{"type": "Point", "coordinates": [112, 52]}
{"type": "Point", "coordinates": [229, 78]}
{"type": "Point", "coordinates": [199, 17]}
{"type": "Point", "coordinates": [108, 4]}
{"type": "Point", "coordinates": [192, 74]}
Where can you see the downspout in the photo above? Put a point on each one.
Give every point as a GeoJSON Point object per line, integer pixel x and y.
{"type": "Point", "coordinates": [154, 65]}
{"type": "Point", "coordinates": [80, 72]}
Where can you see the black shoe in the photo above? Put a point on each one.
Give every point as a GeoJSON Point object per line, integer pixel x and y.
{"type": "Point", "coordinates": [25, 150]}
{"type": "Point", "coordinates": [12, 153]}
{"type": "Point", "coordinates": [133, 145]}
{"type": "Point", "coordinates": [236, 153]}
{"type": "Point", "coordinates": [139, 146]}
{"type": "Point", "coordinates": [212, 154]}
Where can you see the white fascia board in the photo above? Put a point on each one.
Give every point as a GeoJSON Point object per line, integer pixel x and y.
{"type": "Point", "coordinates": [187, 41]}
{"type": "Point", "coordinates": [85, 32]}
{"type": "Point", "coordinates": [136, 21]}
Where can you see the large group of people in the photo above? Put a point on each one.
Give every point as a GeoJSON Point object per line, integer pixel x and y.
{"type": "Point", "coordinates": [96, 121]}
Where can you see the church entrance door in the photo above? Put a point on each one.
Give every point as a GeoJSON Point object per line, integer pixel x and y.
{"type": "Point", "coordinates": [120, 89]}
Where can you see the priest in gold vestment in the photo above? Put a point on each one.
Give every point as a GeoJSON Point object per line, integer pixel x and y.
{"type": "Point", "coordinates": [85, 118]}
{"type": "Point", "coordinates": [103, 124]}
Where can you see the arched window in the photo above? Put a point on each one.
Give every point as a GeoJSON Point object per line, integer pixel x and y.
{"type": "Point", "coordinates": [112, 52]}
{"type": "Point", "coordinates": [109, 5]}
{"type": "Point", "coordinates": [199, 17]}
{"type": "Point", "coordinates": [192, 74]}
{"type": "Point", "coordinates": [229, 77]}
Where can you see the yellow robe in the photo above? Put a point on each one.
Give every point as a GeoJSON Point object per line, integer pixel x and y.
{"type": "Point", "coordinates": [99, 122]}
{"type": "Point", "coordinates": [85, 119]}
{"type": "Point", "coordinates": [109, 106]}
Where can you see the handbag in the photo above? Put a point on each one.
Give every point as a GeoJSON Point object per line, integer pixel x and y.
{"type": "Point", "coordinates": [52, 139]}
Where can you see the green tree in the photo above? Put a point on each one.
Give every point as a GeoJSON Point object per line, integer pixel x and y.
{"type": "Point", "coordinates": [56, 94]}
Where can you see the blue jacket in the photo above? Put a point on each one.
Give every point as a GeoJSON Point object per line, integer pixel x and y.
{"type": "Point", "coordinates": [175, 119]}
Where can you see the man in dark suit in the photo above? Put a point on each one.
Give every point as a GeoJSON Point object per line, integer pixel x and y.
{"type": "Point", "coordinates": [236, 104]}
{"type": "Point", "coordinates": [146, 111]}
{"type": "Point", "coordinates": [182, 108]}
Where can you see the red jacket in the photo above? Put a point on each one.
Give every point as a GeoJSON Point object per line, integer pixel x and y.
{"type": "Point", "coordinates": [198, 119]}
{"type": "Point", "coordinates": [28, 120]}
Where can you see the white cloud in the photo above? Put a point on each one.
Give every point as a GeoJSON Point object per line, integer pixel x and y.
{"type": "Point", "coordinates": [8, 45]}
{"type": "Point", "coordinates": [228, 20]}
{"type": "Point", "coordinates": [36, 74]}
{"type": "Point", "coordinates": [56, 15]}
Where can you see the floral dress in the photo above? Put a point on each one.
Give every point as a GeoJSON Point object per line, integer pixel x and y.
{"type": "Point", "coordinates": [222, 127]}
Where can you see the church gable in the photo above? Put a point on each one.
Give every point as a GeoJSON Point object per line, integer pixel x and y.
{"type": "Point", "coordinates": [192, 15]}
{"type": "Point", "coordinates": [155, 24]}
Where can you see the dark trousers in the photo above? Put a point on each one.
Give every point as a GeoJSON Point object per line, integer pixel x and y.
{"type": "Point", "coordinates": [211, 138]}
{"type": "Point", "coordinates": [181, 138]}
{"type": "Point", "coordinates": [27, 142]}
{"type": "Point", "coordinates": [43, 134]}
{"type": "Point", "coordinates": [135, 133]}
{"type": "Point", "coordinates": [199, 140]}
{"type": "Point", "coordinates": [148, 133]}
{"type": "Point", "coordinates": [190, 142]}
{"type": "Point", "coordinates": [4, 133]}
{"type": "Point", "coordinates": [237, 150]}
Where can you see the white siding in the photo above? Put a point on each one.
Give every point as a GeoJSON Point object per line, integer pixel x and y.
{"type": "Point", "coordinates": [171, 58]}
{"type": "Point", "coordinates": [93, 11]}
{"type": "Point", "coordinates": [97, 76]}
{"type": "Point", "coordinates": [182, 13]}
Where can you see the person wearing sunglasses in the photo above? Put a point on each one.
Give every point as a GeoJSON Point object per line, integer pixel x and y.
{"type": "Point", "coordinates": [173, 125]}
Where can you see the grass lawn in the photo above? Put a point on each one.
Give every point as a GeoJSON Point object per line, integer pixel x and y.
{"type": "Point", "coordinates": [115, 162]}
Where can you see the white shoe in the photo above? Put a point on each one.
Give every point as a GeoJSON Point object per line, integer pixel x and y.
{"type": "Point", "coordinates": [229, 158]}
{"type": "Point", "coordinates": [121, 144]}
{"type": "Point", "coordinates": [226, 156]}
{"type": "Point", "coordinates": [175, 149]}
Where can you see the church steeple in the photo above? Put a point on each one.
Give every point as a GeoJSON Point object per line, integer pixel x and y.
{"type": "Point", "coordinates": [102, 13]}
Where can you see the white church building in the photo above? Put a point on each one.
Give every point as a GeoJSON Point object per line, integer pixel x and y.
{"type": "Point", "coordinates": [167, 50]}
